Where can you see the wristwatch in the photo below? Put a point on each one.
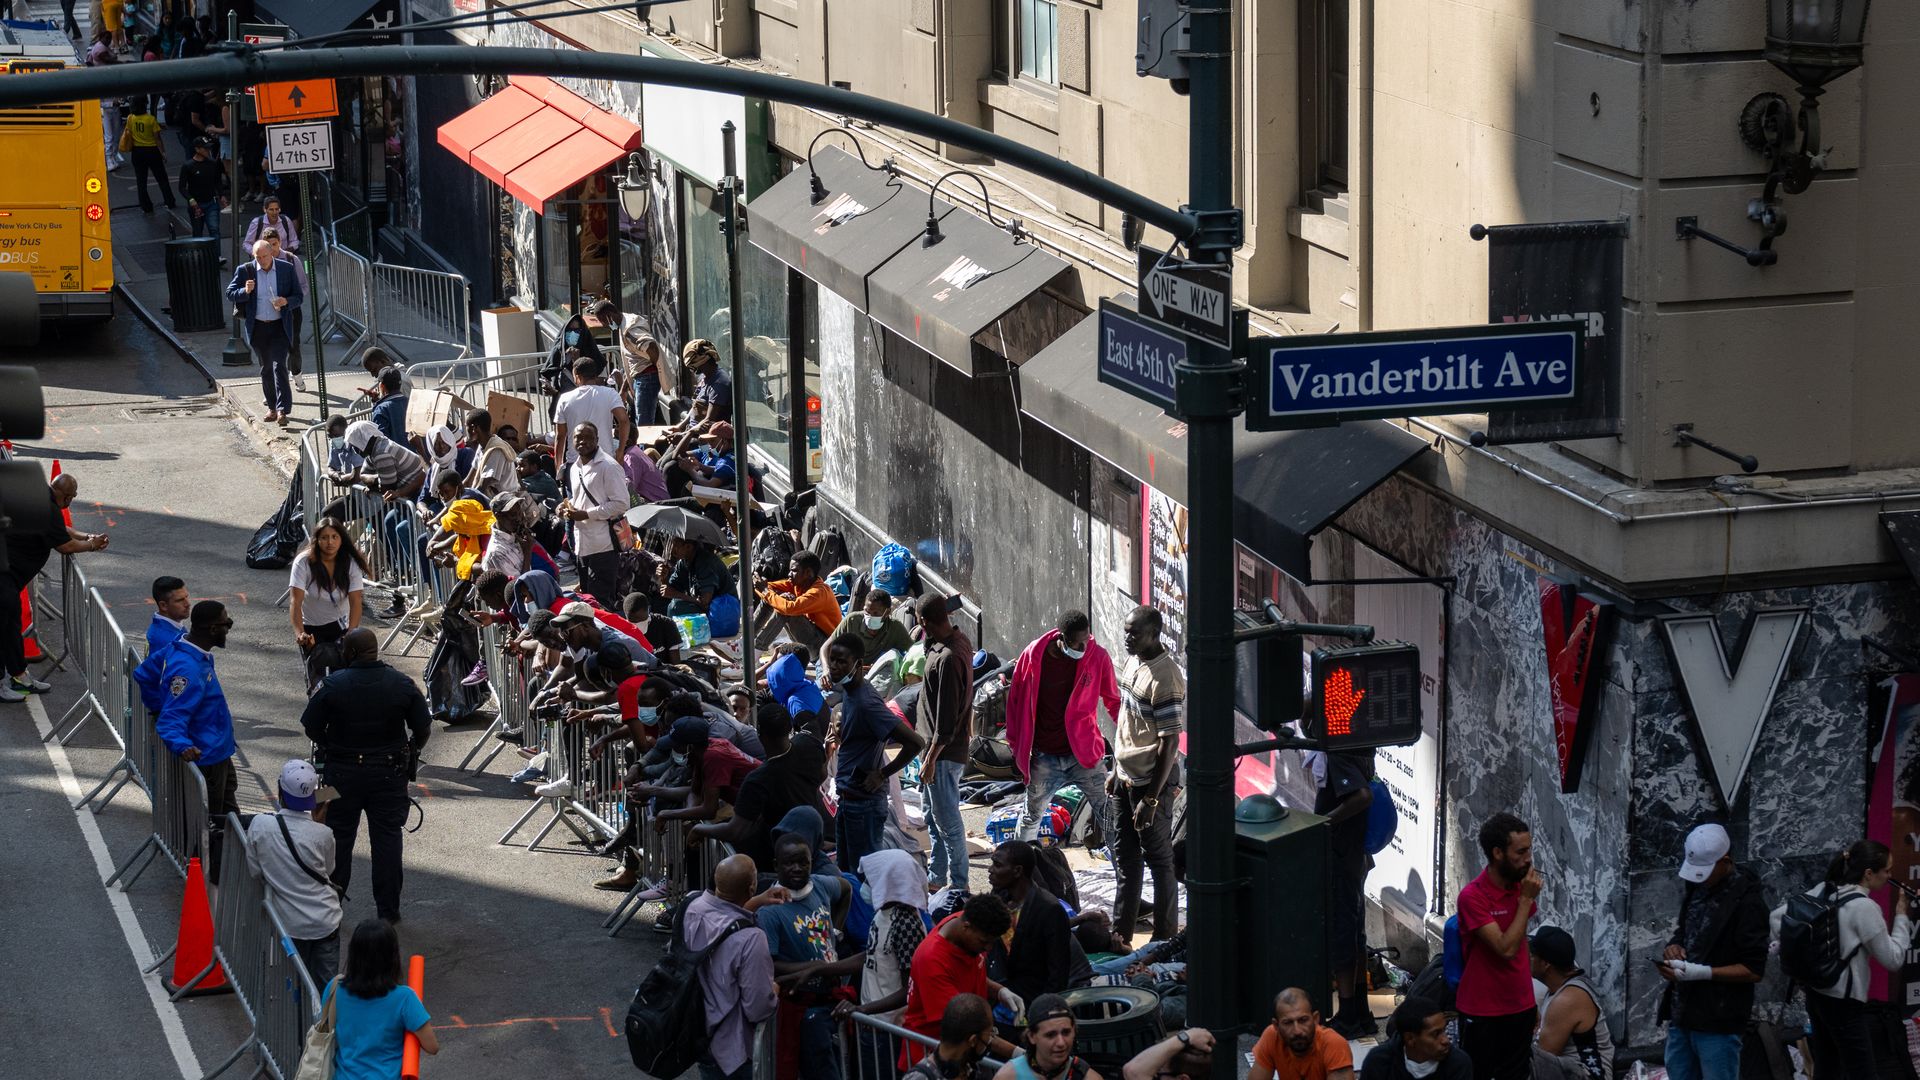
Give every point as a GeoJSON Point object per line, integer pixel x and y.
{"type": "Point", "coordinates": [1185, 1039]}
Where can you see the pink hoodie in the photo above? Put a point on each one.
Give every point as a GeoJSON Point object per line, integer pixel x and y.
{"type": "Point", "coordinates": [1093, 684]}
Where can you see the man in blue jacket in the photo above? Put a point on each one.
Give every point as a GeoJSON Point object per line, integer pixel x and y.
{"type": "Point", "coordinates": [266, 292]}
{"type": "Point", "coordinates": [171, 606]}
{"type": "Point", "coordinates": [193, 720]}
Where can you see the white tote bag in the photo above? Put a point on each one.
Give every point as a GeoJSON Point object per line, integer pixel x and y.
{"type": "Point", "coordinates": [316, 1061]}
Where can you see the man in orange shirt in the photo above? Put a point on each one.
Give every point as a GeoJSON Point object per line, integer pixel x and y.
{"type": "Point", "coordinates": [1296, 1047]}
{"type": "Point", "coordinates": [801, 604]}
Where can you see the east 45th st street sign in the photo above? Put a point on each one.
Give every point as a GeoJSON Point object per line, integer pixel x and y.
{"type": "Point", "coordinates": [1313, 381]}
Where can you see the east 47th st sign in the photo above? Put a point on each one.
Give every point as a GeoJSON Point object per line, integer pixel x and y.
{"type": "Point", "coordinates": [293, 148]}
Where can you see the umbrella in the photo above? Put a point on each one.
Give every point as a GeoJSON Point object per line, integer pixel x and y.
{"type": "Point", "coordinates": [676, 521]}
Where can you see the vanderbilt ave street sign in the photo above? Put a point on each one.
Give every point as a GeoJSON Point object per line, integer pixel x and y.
{"type": "Point", "coordinates": [1313, 381]}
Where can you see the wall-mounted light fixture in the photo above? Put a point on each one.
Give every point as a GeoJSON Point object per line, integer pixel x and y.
{"type": "Point", "coordinates": [817, 191]}
{"type": "Point", "coordinates": [1814, 42]}
{"type": "Point", "coordinates": [1015, 226]}
{"type": "Point", "coordinates": [636, 187]}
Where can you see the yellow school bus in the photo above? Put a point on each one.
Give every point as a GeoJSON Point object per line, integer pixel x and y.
{"type": "Point", "coordinates": [53, 191]}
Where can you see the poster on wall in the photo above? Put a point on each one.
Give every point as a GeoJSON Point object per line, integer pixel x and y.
{"type": "Point", "coordinates": [1893, 814]}
{"type": "Point", "coordinates": [1163, 563]}
{"type": "Point", "coordinates": [1405, 878]}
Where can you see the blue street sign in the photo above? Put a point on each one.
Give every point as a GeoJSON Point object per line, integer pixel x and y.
{"type": "Point", "coordinates": [1324, 379]}
{"type": "Point", "coordinates": [1137, 356]}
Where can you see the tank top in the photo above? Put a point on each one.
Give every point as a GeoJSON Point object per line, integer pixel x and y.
{"type": "Point", "coordinates": [1591, 1050]}
{"type": "Point", "coordinates": [1023, 1069]}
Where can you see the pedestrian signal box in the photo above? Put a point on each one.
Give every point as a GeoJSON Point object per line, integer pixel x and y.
{"type": "Point", "coordinates": [1363, 696]}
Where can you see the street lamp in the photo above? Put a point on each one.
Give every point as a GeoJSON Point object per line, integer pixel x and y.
{"type": "Point", "coordinates": [1813, 42]}
{"type": "Point", "coordinates": [636, 190]}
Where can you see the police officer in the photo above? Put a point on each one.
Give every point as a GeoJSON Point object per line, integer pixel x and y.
{"type": "Point", "coordinates": [193, 719]}
{"type": "Point", "coordinates": [368, 723]}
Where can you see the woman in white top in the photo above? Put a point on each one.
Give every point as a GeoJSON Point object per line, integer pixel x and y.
{"type": "Point", "coordinates": [1838, 1014]}
{"type": "Point", "coordinates": [327, 585]}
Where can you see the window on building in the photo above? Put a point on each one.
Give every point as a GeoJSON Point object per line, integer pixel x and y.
{"type": "Point", "coordinates": [763, 301]}
{"type": "Point", "coordinates": [578, 253]}
{"type": "Point", "coordinates": [1324, 95]}
{"type": "Point", "coordinates": [1037, 39]}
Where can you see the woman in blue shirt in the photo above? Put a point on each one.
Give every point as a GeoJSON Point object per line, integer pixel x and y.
{"type": "Point", "coordinates": [377, 1011]}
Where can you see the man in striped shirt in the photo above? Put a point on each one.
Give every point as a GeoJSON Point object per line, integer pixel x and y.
{"type": "Point", "coordinates": [1146, 746]}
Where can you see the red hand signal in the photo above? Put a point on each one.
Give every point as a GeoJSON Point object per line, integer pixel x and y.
{"type": "Point", "coordinates": [1341, 701]}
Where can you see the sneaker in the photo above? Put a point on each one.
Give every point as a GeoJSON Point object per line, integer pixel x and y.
{"type": "Point", "coordinates": [528, 752]}
{"type": "Point", "coordinates": [555, 789]}
{"type": "Point", "coordinates": [663, 922]}
{"type": "Point", "coordinates": [9, 694]}
{"type": "Point", "coordinates": [532, 774]}
{"type": "Point", "coordinates": [300, 383]}
{"type": "Point", "coordinates": [477, 676]}
{"type": "Point", "coordinates": [27, 684]}
{"type": "Point", "coordinates": [563, 560]}
{"type": "Point", "coordinates": [395, 610]}
{"type": "Point", "coordinates": [1352, 1026]}
{"type": "Point", "coordinates": [514, 736]}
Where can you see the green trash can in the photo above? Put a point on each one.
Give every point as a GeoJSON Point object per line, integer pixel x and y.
{"type": "Point", "coordinates": [193, 284]}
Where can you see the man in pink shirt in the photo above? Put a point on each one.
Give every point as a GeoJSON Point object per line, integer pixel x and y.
{"type": "Point", "coordinates": [1495, 998]}
{"type": "Point", "coordinates": [1053, 726]}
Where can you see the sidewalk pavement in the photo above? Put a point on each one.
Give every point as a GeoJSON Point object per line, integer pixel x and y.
{"type": "Point", "coordinates": [140, 269]}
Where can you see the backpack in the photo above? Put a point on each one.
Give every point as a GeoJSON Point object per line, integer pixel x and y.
{"type": "Point", "coordinates": [893, 570]}
{"type": "Point", "coordinates": [1810, 938]}
{"type": "Point", "coordinates": [667, 1025]}
{"type": "Point", "coordinates": [1383, 818]}
{"type": "Point", "coordinates": [841, 582]}
{"type": "Point", "coordinates": [772, 551]}
{"type": "Point", "coordinates": [1453, 952]}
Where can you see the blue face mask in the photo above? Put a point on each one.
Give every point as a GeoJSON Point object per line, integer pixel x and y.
{"type": "Point", "coordinates": [648, 716]}
{"type": "Point", "coordinates": [1072, 654]}
{"type": "Point", "coordinates": [573, 338]}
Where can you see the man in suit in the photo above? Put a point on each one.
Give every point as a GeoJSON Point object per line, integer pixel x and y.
{"type": "Point", "coordinates": [267, 294]}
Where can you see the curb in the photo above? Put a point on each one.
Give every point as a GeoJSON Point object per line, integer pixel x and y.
{"type": "Point", "coordinates": [261, 439]}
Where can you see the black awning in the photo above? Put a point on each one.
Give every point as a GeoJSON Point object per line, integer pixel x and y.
{"type": "Point", "coordinates": [940, 296]}
{"type": "Point", "coordinates": [865, 217]}
{"type": "Point", "coordinates": [1287, 485]}
{"type": "Point", "coordinates": [311, 18]}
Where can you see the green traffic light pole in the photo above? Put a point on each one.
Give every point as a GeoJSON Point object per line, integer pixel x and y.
{"type": "Point", "coordinates": [1210, 391]}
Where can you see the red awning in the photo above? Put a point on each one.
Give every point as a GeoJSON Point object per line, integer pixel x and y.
{"type": "Point", "coordinates": [537, 139]}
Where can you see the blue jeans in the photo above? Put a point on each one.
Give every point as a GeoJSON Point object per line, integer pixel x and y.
{"type": "Point", "coordinates": [1701, 1055]}
{"type": "Point", "coordinates": [1050, 773]}
{"type": "Point", "coordinates": [208, 223]}
{"type": "Point", "coordinates": [859, 827]}
{"type": "Point", "coordinates": [818, 1058]}
{"type": "Point", "coordinates": [397, 529]}
{"type": "Point", "coordinates": [948, 864]}
{"type": "Point", "coordinates": [646, 398]}
{"type": "Point", "coordinates": [1119, 964]}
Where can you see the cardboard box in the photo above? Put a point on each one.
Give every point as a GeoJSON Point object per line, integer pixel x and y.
{"type": "Point", "coordinates": [429, 409]}
{"type": "Point", "coordinates": [514, 412]}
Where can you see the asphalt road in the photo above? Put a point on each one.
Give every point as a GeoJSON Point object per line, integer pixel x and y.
{"type": "Point", "coordinates": [519, 977]}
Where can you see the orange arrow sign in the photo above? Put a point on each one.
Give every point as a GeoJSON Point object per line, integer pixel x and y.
{"type": "Point", "coordinates": [308, 99]}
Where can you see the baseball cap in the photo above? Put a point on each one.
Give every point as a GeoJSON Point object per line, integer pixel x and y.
{"type": "Point", "coordinates": [506, 502]}
{"type": "Point", "coordinates": [573, 613]}
{"type": "Point", "coordinates": [689, 731]}
{"type": "Point", "coordinates": [1554, 946]}
{"type": "Point", "coordinates": [1706, 846]}
{"type": "Point", "coordinates": [298, 785]}
{"type": "Point", "coordinates": [720, 430]}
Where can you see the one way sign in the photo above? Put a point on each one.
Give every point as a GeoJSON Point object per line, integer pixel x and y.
{"type": "Point", "coordinates": [1187, 296]}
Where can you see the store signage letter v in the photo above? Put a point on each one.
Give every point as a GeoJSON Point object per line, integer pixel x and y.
{"type": "Point", "coordinates": [1729, 702]}
{"type": "Point", "coordinates": [1575, 629]}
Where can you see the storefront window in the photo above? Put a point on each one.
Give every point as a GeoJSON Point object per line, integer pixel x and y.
{"type": "Point", "coordinates": [555, 232]}
{"type": "Point", "coordinates": [631, 250]}
{"type": "Point", "coordinates": [763, 319]}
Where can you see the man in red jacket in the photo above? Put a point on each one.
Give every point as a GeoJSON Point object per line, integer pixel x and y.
{"type": "Point", "coordinates": [1053, 725]}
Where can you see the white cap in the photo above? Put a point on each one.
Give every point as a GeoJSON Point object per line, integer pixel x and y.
{"type": "Point", "coordinates": [1706, 846]}
{"type": "Point", "coordinates": [298, 785]}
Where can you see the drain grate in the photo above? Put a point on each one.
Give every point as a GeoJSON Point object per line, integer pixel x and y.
{"type": "Point", "coordinates": [173, 412]}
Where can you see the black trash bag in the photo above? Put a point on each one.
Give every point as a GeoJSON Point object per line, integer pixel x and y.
{"type": "Point", "coordinates": [280, 536]}
{"type": "Point", "coordinates": [454, 653]}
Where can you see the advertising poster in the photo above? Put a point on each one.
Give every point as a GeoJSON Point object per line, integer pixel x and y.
{"type": "Point", "coordinates": [1893, 815]}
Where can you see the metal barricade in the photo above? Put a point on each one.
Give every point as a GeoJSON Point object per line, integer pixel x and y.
{"type": "Point", "coordinates": [565, 745]}
{"type": "Point", "coordinates": [349, 312]}
{"type": "Point", "coordinates": [274, 988]}
{"type": "Point", "coordinates": [136, 736]}
{"type": "Point", "coordinates": [507, 679]}
{"type": "Point", "coordinates": [99, 649]}
{"type": "Point", "coordinates": [868, 1047]}
{"type": "Point", "coordinates": [73, 593]}
{"type": "Point", "coordinates": [426, 307]}
{"type": "Point", "coordinates": [179, 820]}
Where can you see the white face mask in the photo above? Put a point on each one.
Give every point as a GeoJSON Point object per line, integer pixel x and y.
{"type": "Point", "coordinates": [1419, 1069]}
{"type": "Point", "coordinates": [875, 622]}
{"type": "Point", "coordinates": [1072, 654]}
{"type": "Point", "coordinates": [679, 757]}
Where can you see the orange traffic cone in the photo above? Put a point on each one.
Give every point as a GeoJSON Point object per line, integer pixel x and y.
{"type": "Point", "coordinates": [26, 624]}
{"type": "Point", "coordinates": [193, 950]}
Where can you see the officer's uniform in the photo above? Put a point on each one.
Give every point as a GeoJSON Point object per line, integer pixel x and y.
{"type": "Point", "coordinates": [162, 632]}
{"type": "Point", "coordinates": [193, 714]}
{"type": "Point", "coordinates": [363, 720]}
